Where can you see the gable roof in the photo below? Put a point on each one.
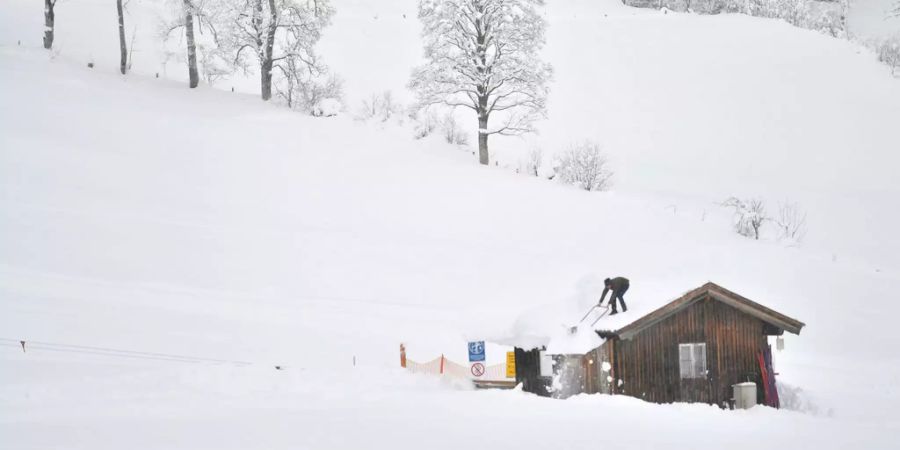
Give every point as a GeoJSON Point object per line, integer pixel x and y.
{"type": "Point", "coordinates": [715, 292]}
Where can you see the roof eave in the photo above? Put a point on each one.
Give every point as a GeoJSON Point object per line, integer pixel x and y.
{"type": "Point", "coordinates": [721, 294]}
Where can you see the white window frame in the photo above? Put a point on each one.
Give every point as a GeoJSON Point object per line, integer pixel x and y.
{"type": "Point", "coordinates": [692, 360]}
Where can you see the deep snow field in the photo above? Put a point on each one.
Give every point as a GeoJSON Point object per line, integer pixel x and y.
{"type": "Point", "coordinates": [136, 214]}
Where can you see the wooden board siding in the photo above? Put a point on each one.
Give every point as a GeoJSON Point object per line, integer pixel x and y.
{"type": "Point", "coordinates": [596, 379]}
{"type": "Point", "coordinates": [648, 363]}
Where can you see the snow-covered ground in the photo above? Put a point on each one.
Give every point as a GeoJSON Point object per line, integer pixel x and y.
{"type": "Point", "coordinates": [138, 215]}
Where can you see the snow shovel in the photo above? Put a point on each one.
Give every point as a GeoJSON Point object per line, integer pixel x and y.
{"type": "Point", "coordinates": [574, 329]}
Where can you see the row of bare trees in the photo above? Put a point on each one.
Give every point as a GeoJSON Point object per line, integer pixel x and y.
{"type": "Point", "coordinates": [277, 37]}
{"type": "Point", "coordinates": [50, 30]}
{"type": "Point", "coordinates": [480, 54]}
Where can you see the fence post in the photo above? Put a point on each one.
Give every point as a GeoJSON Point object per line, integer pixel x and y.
{"type": "Point", "coordinates": [442, 364]}
{"type": "Point", "coordinates": [402, 356]}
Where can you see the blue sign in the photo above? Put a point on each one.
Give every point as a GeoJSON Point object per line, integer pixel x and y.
{"type": "Point", "coordinates": [476, 351]}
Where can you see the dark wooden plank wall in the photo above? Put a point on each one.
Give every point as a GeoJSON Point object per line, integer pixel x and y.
{"type": "Point", "coordinates": [648, 364]}
{"type": "Point", "coordinates": [528, 372]}
{"type": "Point", "coordinates": [596, 379]}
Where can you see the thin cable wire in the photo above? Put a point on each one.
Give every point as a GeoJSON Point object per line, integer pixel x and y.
{"type": "Point", "coordinates": [87, 352]}
{"type": "Point", "coordinates": [105, 351]}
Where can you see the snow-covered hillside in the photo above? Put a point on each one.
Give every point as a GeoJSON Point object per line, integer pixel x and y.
{"type": "Point", "coordinates": [138, 215]}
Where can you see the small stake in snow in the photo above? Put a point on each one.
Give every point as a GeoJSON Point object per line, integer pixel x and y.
{"type": "Point", "coordinates": [23, 346]}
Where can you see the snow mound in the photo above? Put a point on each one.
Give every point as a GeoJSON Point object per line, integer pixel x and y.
{"type": "Point", "coordinates": [327, 107]}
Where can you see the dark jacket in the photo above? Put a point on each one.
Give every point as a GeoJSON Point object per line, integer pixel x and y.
{"type": "Point", "coordinates": [617, 284]}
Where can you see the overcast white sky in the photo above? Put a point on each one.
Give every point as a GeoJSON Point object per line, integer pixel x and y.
{"type": "Point", "coordinates": [868, 18]}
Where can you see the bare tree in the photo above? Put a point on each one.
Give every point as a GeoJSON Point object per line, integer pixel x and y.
{"type": "Point", "coordinates": [307, 84]}
{"type": "Point", "coordinates": [453, 134]}
{"type": "Point", "coordinates": [198, 16]}
{"type": "Point", "coordinates": [534, 162]}
{"type": "Point", "coordinates": [380, 106]}
{"type": "Point", "coordinates": [749, 214]}
{"type": "Point", "coordinates": [888, 51]}
{"type": "Point", "coordinates": [424, 121]}
{"type": "Point", "coordinates": [272, 31]}
{"type": "Point", "coordinates": [483, 55]}
{"type": "Point", "coordinates": [123, 49]}
{"type": "Point", "coordinates": [49, 22]}
{"type": "Point", "coordinates": [791, 221]}
{"type": "Point", "coordinates": [584, 165]}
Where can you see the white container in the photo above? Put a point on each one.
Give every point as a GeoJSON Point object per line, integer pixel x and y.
{"type": "Point", "coordinates": [546, 361]}
{"type": "Point", "coordinates": [744, 395]}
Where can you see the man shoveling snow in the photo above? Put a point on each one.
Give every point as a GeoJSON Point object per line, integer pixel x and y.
{"type": "Point", "coordinates": [618, 286]}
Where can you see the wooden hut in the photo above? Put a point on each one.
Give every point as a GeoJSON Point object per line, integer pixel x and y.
{"type": "Point", "coordinates": [692, 349]}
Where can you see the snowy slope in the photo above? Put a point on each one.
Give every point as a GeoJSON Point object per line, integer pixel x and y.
{"type": "Point", "coordinates": [139, 215]}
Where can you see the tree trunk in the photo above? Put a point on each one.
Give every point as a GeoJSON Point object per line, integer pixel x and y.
{"type": "Point", "coordinates": [483, 140]}
{"type": "Point", "coordinates": [49, 23]}
{"type": "Point", "coordinates": [123, 50]}
{"type": "Point", "coordinates": [266, 64]}
{"type": "Point", "coordinates": [265, 78]}
{"type": "Point", "coordinates": [191, 48]}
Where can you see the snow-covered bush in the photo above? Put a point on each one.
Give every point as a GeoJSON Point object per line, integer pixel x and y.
{"type": "Point", "coordinates": [323, 95]}
{"type": "Point", "coordinates": [452, 132]}
{"type": "Point", "coordinates": [424, 121]}
{"type": "Point", "coordinates": [749, 215]}
{"type": "Point", "coordinates": [829, 21]}
{"type": "Point", "coordinates": [888, 51]}
{"type": "Point", "coordinates": [794, 398]}
{"type": "Point", "coordinates": [380, 107]}
{"type": "Point", "coordinates": [585, 166]}
{"type": "Point", "coordinates": [791, 222]}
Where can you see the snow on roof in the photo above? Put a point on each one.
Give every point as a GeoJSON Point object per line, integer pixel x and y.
{"type": "Point", "coordinates": [551, 325]}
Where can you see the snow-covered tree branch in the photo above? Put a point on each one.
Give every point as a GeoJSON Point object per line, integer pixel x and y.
{"type": "Point", "coordinates": [483, 55]}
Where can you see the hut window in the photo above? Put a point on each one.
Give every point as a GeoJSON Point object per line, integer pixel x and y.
{"type": "Point", "coordinates": [692, 360]}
